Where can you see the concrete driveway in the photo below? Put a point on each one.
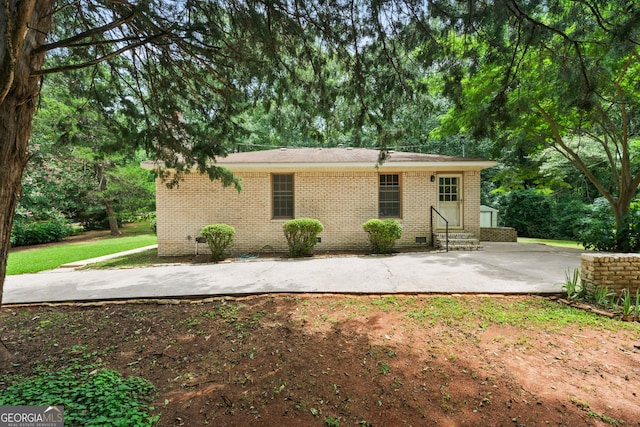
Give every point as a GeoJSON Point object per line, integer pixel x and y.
{"type": "Point", "coordinates": [500, 268]}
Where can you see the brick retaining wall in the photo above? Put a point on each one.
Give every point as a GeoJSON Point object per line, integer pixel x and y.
{"type": "Point", "coordinates": [498, 234]}
{"type": "Point", "coordinates": [615, 271]}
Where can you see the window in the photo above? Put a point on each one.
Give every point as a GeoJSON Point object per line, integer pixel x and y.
{"type": "Point", "coordinates": [448, 191]}
{"type": "Point", "coordinates": [389, 196]}
{"type": "Point", "coordinates": [282, 195]}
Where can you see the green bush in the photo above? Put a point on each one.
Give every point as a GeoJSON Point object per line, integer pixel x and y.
{"type": "Point", "coordinates": [530, 212]}
{"type": "Point", "coordinates": [219, 238]}
{"type": "Point", "coordinates": [32, 233]}
{"type": "Point", "coordinates": [567, 217]}
{"type": "Point", "coordinates": [598, 229]}
{"type": "Point", "coordinates": [382, 234]}
{"type": "Point", "coordinates": [301, 235]}
{"type": "Point", "coordinates": [96, 219]}
{"type": "Point", "coordinates": [534, 213]}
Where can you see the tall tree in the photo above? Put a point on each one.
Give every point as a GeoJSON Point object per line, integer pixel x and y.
{"type": "Point", "coordinates": [75, 133]}
{"type": "Point", "coordinates": [177, 72]}
{"type": "Point", "coordinates": [24, 25]}
{"type": "Point", "coordinates": [559, 74]}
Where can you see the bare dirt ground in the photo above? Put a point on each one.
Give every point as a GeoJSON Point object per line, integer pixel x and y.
{"type": "Point", "coordinates": [340, 360]}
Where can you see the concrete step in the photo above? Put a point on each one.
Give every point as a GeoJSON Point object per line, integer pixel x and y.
{"type": "Point", "coordinates": [455, 247]}
{"type": "Point", "coordinates": [465, 241]}
{"type": "Point", "coordinates": [455, 235]}
{"type": "Point", "coordinates": [458, 241]}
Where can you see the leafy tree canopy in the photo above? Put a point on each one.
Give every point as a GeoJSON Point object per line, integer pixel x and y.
{"type": "Point", "coordinates": [557, 74]}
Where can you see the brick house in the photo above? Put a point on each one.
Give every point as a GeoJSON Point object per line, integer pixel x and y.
{"type": "Point", "coordinates": [341, 187]}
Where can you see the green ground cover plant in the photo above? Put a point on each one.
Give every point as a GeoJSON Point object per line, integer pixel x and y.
{"type": "Point", "coordinates": [91, 396]}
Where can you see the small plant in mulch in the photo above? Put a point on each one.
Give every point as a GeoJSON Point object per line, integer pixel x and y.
{"type": "Point", "coordinates": [332, 421]}
{"type": "Point", "coordinates": [626, 304]}
{"type": "Point", "coordinates": [601, 299]}
{"type": "Point", "coordinates": [572, 286]}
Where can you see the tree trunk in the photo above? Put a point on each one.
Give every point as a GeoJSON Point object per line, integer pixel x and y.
{"type": "Point", "coordinates": [12, 163]}
{"type": "Point", "coordinates": [102, 188]}
{"type": "Point", "coordinates": [113, 221]}
{"type": "Point", "coordinates": [621, 211]}
{"type": "Point", "coordinates": [22, 30]}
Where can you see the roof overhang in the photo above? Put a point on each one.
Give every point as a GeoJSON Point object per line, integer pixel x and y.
{"type": "Point", "coordinates": [458, 165]}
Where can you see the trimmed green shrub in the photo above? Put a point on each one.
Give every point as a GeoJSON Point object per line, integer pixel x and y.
{"type": "Point", "coordinates": [301, 235]}
{"type": "Point", "coordinates": [219, 238]}
{"type": "Point", "coordinates": [33, 233]}
{"type": "Point", "coordinates": [383, 234]}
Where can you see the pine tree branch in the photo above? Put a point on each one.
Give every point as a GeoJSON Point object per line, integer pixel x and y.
{"type": "Point", "coordinates": [71, 41]}
{"type": "Point", "coordinates": [515, 9]}
{"type": "Point", "coordinates": [66, 68]}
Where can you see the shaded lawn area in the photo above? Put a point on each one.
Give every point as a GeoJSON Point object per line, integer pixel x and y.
{"type": "Point", "coordinates": [561, 243]}
{"type": "Point", "coordinates": [41, 259]}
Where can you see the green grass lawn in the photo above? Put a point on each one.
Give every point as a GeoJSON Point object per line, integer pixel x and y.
{"type": "Point", "coordinates": [140, 259]}
{"type": "Point", "coordinates": [32, 261]}
{"type": "Point", "coordinates": [562, 243]}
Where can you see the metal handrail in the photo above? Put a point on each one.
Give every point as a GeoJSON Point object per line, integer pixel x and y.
{"type": "Point", "coordinates": [446, 229]}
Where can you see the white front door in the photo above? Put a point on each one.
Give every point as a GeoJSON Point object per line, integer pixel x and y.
{"type": "Point", "coordinates": [450, 200]}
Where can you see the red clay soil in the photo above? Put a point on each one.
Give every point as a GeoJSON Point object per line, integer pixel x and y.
{"type": "Point", "coordinates": [332, 360]}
